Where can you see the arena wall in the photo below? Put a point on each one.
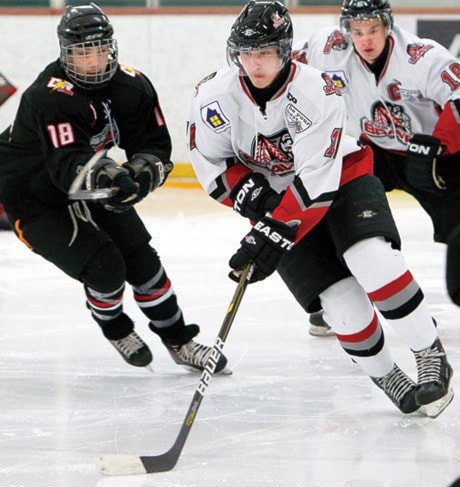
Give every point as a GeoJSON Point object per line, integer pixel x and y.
{"type": "Point", "coordinates": [175, 51]}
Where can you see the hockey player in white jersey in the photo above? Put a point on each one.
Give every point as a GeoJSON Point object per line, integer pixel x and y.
{"type": "Point", "coordinates": [266, 137]}
{"type": "Point", "coordinates": [403, 99]}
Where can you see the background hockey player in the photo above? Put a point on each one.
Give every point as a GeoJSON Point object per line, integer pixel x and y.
{"type": "Point", "coordinates": [403, 99]}
{"type": "Point", "coordinates": [83, 102]}
{"type": "Point", "coordinates": [7, 89]}
{"type": "Point", "coordinates": [266, 137]}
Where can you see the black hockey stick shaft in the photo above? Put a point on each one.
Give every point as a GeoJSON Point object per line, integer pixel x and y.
{"type": "Point", "coordinates": [130, 464]}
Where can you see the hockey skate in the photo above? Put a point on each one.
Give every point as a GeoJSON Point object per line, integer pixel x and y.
{"type": "Point", "coordinates": [318, 327]}
{"type": "Point", "coordinates": [133, 350]}
{"type": "Point", "coordinates": [400, 389]}
{"type": "Point", "coordinates": [186, 352]}
{"type": "Point", "coordinates": [434, 374]}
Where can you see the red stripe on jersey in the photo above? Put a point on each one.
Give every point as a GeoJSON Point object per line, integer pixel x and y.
{"type": "Point", "coordinates": [159, 116]}
{"type": "Point", "coordinates": [155, 295]}
{"type": "Point", "coordinates": [447, 129]}
{"type": "Point", "coordinates": [392, 288]}
{"type": "Point", "coordinates": [357, 164]}
{"type": "Point", "coordinates": [233, 176]}
{"type": "Point", "coordinates": [291, 209]}
{"type": "Point", "coordinates": [362, 335]}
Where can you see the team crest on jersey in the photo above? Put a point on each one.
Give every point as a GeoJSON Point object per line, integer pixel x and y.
{"type": "Point", "coordinates": [339, 79]}
{"type": "Point", "coordinates": [330, 88]}
{"type": "Point", "coordinates": [335, 42]}
{"type": "Point", "coordinates": [273, 153]}
{"type": "Point", "coordinates": [389, 120]}
{"type": "Point", "coordinates": [416, 51]}
{"type": "Point", "coordinates": [60, 85]}
{"type": "Point", "coordinates": [108, 134]}
{"type": "Point", "coordinates": [129, 71]}
{"type": "Point", "coordinates": [296, 119]}
{"type": "Point", "coordinates": [214, 117]}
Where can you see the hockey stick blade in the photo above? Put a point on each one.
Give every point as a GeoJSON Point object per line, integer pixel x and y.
{"type": "Point", "coordinates": [76, 191]}
{"type": "Point", "coordinates": [132, 464]}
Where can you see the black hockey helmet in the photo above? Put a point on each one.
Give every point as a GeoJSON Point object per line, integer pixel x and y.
{"type": "Point", "coordinates": [260, 25]}
{"type": "Point", "coordinates": [365, 10]}
{"type": "Point", "coordinates": [87, 27]}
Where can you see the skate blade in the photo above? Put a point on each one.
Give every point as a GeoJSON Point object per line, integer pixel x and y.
{"type": "Point", "coordinates": [149, 368]}
{"type": "Point", "coordinates": [435, 408]}
{"type": "Point", "coordinates": [320, 331]}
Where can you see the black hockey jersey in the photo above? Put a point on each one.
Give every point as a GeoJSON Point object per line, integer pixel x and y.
{"type": "Point", "coordinates": [59, 126]}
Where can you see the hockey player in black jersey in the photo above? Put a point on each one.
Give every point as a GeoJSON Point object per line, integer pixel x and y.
{"type": "Point", "coordinates": [82, 103]}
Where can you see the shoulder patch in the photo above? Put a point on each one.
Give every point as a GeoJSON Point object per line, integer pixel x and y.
{"type": "Point", "coordinates": [335, 42]}
{"type": "Point", "coordinates": [416, 51]}
{"type": "Point", "coordinates": [214, 117]}
{"type": "Point", "coordinates": [330, 88]}
{"type": "Point", "coordinates": [339, 79]}
{"type": "Point", "coordinates": [297, 119]}
{"type": "Point", "coordinates": [129, 71]}
{"type": "Point", "coordinates": [60, 85]}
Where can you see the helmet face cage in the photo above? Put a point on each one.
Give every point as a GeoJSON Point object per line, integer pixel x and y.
{"type": "Point", "coordinates": [261, 25]}
{"type": "Point", "coordinates": [86, 41]}
{"type": "Point", "coordinates": [79, 62]}
{"type": "Point", "coordinates": [365, 10]}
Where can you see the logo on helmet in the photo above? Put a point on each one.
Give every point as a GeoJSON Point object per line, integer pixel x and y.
{"type": "Point", "coordinates": [277, 20]}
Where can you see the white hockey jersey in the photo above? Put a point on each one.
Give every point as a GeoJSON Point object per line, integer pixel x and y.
{"type": "Point", "coordinates": [296, 143]}
{"type": "Point", "coordinates": [420, 79]}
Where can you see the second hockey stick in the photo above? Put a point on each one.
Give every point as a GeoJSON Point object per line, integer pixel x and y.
{"type": "Point", "coordinates": [135, 464]}
{"type": "Point", "coordinates": [76, 191]}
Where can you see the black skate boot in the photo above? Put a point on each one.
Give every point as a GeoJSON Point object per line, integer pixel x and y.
{"type": "Point", "coordinates": [399, 388]}
{"type": "Point", "coordinates": [133, 349]}
{"type": "Point", "coordinates": [120, 333]}
{"type": "Point", "coordinates": [188, 353]}
{"type": "Point", "coordinates": [318, 327]}
{"type": "Point", "coordinates": [434, 374]}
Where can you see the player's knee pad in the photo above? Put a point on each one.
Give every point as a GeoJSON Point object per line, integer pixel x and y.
{"type": "Point", "coordinates": [106, 269]}
{"type": "Point", "coordinates": [347, 308]}
{"type": "Point", "coordinates": [359, 212]}
{"type": "Point", "coordinates": [374, 262]}
{"type": "Point", "coordinates": [142, 263]}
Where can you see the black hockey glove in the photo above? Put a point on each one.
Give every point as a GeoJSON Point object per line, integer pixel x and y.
{"type": "Point", "coordinates": [421, 163]}
{"type": "Point", "coordinates": [264, 245]}
{"type": "Point", "coordinates": [148, 171]}
{"type": "Point", "coordinates": [253, 197]}
{"type": "Point", "coordinates": [108, 174]}
{"type": "Point", "coordinates": [453, 265]}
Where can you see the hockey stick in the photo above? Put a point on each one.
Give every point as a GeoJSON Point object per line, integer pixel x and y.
{"type": "Point", "coordinates": [134, 464]}
{"type": "Point", "coordinates": [76, 191]}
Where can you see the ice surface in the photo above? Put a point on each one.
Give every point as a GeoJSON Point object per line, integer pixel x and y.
{"type": "Point", "coordinates": [296, 412]}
